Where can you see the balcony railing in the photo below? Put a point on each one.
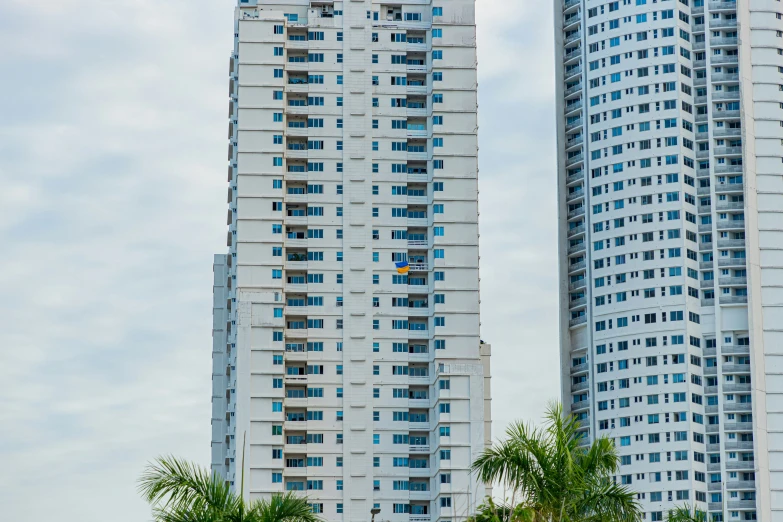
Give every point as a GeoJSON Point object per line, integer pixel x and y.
{"type": "Point", "coordinates": [582, 319]}
{"type": "Point", "coordinates": [573, 231]}
{"type": "Point", "coordinates": [733, 281]}
{"type": "Point", "coordinates": [580, 385]}
{"type": "Point", "coordinates": [731, 224]}
{"type": "Point", "coordinates": [730, 187]}
{"type": "Point", "coordinates": [728, 169]}
{"type": "Point", "coordinates": [730, 205]}
{"type": "Point", "coordinates": [734, 388]}
{"type": "Point", "coordinates": [734, 299]}
{"type": "Point", "coordinates": [738, 406]}
{"type": "Point", "coordinates": [723, 41]}
{"type": "Point", "coordinates": [739, 426]}
{"type": "Point", "coordinates": [741, 484]}
{"type": "Point", "coordinates": [574, 37]}
{"type": "Point", "coordinates": [580, 405]}
{"type": "Point", "coordinates": [735, 368]}
{"type": "Point", "coordinates": [732, 261]}
{"type": "Point", "coordinates": [734, 350]}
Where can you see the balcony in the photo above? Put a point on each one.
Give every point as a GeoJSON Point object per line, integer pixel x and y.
{"type": "Point", "coordinates": [573, 231]}
{"type": "Point", "coordinates": [728, 169]}
{"type": "Point", "coordinates": [579, 176]}
{"type": "Point", "coordinates": [739, 445]}
{"type": "Point", "coordinates": [742, 464]}
{"type": "Point", "coordinates": [735, 350]}
{"type": "Point", "coordinates": [715, 506]}
{"type": "Point", "coordinates": [741, 484]}
{"type": "Point", "coordinates": [571, 54]}
{"type": "Point", "coordinates": [739, 426]}
{"type": "Point", "coordinates": [579, 368]}
{"type": "Point", "coordinates": [735, 368]}
{"type": "Point", "coordinates": [574, 124]}
{"type": "Point", "coordinates": [420, 448]}
{"type": "Point", "coordinates": [731, 224]}
{"type": "Point", "coordinates": [738, 406]}
{"type": "Point", "coordinates": [734, 388]}
{"type": "Point", "coordinates": [733, 505]}
{"type": "Point", "coordinates": [576, 36]}
{"type": "Point", "coordinates": [712, 428]}
{"type": "Point", "coordinates": [723, 5]}
{"type": "Point", "coordinates": [723, 41]}
{"type": "Point", "coordinates": [710, 370]}
{"type": "Point", "coordinates": [726, 115]}
{"type": "Point", "coordinates": [705, 265]}
{"type": "Point", "coordinates": [582, 319]}
{"type": "Point", "coordinates": [417, 133]}
{"type": "Point", "coordinates": [579, 247]}
{"type": "Point", "coordinates": [418, 243]}
{"type": "Point", "coordinates": [575, 267]}
{"type": "Point", "coordinates": [576, 212]}
{"type": "Point", "coordinates": [728, 151]}
{"type": "Point", "coordinates": [573, 107]}
{"type": "Point", "coordinates": [733, 261]}
{"type": "Point", "coordinates": [705, 247]}
{"type": "Point", "coordinates": [580, 386]}
{"type": "Point", "coordinates": [573, 142]}
{"type": "Point", "coordinates": [576, 285]}
{"type": "Point", "coordinates": [723, 24]}
{"type": "Point", "coordinates": [568, 4]}
{"type": "Point", "coordinates": [570, 72]}
{"type": "Point", "coordinates": [729, 187]}
{"type": "Point", "coordinates": [733, 299]}
{"type": "Point", "coordinates": [580, 405]}
{"type": "Point", "coordinates": [707, 302]}
{"type": "Point", "coordinates": [730, 205]}
{"type": "Point", "coordinates": [733, 281]}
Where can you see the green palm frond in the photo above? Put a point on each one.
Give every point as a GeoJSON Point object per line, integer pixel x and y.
{"type": "Point", "coordinates": [174, 483]}
{"type": "Point", "coordinates": [686, 514]}
{"type": "Point", "coordinates": [557, 478]}
{"type": "Point", "coordinates": [282, 508]}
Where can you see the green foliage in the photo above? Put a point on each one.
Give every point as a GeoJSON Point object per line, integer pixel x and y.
{"type": "Point", "coordinates": [552, 478]}
{"type": "Point", "coordinates": [180, 491]}
{"type": "Point", "coordinates": [685, 514]}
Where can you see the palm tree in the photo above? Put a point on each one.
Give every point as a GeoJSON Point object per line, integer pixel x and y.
{"type": "Point", "coordinates": [553, 478]}
{"type": "Point", "coordinates": [180, 491]}
{"type": "Point", "coordinates": [685, 514]}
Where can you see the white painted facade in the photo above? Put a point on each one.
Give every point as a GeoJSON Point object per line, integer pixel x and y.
{"type": "Point", "coordinates": [352, 145]}
{"type": "Point", "coordinates": [670, 177]}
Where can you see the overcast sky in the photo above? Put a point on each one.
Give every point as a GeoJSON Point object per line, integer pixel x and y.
{"type": "Point", "coordinates": [113, 125]}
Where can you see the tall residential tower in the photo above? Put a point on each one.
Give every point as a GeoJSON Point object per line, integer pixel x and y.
{"type": "Point", "coordinates": [347, 358]}
{"type": "Point", "coordinates": [670, 139]}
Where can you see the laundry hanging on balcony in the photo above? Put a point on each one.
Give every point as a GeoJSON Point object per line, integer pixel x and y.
{"type": "Point", "coordinates": [402, 267]}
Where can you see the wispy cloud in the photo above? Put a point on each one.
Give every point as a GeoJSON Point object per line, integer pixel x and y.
{"type": "Point", "coordinates": [112, 163]}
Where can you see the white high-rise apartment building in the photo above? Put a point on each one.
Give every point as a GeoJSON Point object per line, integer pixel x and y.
{"type": "Point", "coordinates": [352, 130]}
{"type": "Point", "coordinates": [670, 132]}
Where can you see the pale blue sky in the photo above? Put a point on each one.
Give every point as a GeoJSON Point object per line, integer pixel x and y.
{"type": "Point", "coordinates": [113, 124]}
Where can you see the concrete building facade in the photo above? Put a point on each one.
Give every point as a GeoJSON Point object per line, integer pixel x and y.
{"type": "Point", "coordinates": [352, 147]}
{"type": "Point", "coordinates": [670, 176]}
